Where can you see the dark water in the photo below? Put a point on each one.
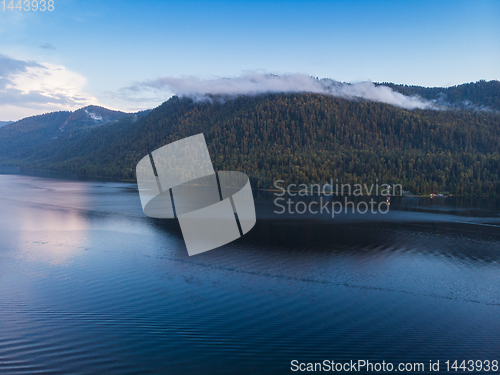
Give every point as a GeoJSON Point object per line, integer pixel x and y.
{"type": "Point", "coordinates": [88, 284]}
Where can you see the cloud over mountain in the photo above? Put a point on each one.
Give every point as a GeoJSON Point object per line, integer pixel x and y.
{"type": "Point", "coordinates": [254, 83]}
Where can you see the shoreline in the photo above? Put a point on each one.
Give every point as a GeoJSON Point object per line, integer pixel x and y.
{"type": "Point", "coordinates": [75, 175]}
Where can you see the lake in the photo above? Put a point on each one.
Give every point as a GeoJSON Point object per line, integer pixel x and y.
{"type": "Point", "coordinates": [89, 284]}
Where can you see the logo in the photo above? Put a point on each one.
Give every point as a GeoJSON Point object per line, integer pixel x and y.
{"type": "Point", "coordinates": [178, 181]}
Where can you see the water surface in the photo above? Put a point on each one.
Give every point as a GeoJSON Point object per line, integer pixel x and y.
{"type": "Point", "coordinates": [91, 285]}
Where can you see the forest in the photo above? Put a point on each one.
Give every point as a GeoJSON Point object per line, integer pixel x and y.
{"type": "Point", "coordinates": [298, 138]}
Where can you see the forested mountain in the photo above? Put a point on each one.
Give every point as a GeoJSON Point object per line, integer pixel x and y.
{"type": "Point", "coordinates": [294, 137]}
{"type": "Point", "coordinates": [25, 137]}
{"type": "Point", "coordinates": [479, 95]}
{"type": "Point", "coordinates": [3, 123]}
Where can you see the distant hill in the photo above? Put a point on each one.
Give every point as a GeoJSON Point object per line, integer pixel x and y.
{"type": "Point", "coordinates": [91, 116]}
{"type": "Point", "coordinates": [300, 138]}
{"type": "Point", "coordinates": [3, 123]}
{"type": "Point", "coordinates": [22, 138]}
{"type": "Point", "coordinates": [479, 95]}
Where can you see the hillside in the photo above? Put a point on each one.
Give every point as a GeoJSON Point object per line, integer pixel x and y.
{"type": "Point", "coordinates": [479, 95]}
{"type": "Point", "coordinates": [25, 137]}
{"type": "Point", "coordinates": [295, 137]}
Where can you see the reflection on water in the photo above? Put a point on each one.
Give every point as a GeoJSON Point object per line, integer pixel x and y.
{"type": "Point", "coordinates": [52, 235]}
{"type": "Point", "coordinates": [91, 285]}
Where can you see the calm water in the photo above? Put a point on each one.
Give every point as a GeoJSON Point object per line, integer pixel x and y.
{"type": "Point", "coordinates": [88, 284]}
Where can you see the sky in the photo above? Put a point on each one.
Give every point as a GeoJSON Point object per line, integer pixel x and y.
{"type": "Point", "coordinates": [133, 55]}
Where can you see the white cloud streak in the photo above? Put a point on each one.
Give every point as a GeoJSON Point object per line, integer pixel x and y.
{"type": "Point", "coordinates": [254, 83]}
{"type": "Point", "coordinates": [28, 87]}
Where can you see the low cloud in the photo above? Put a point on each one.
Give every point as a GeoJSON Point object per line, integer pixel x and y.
{"type": "Point", "coordinates": [28, 87]}
{"type": "Point", "coordinates": [383, 94]}
{"type": "Point", "coordinates": [254, 83]}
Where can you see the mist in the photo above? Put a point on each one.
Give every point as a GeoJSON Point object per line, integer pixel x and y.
{"type": "Point", "coordinates": [253, 83]}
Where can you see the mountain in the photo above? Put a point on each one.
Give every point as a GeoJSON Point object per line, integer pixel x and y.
{"type": "Point", "coordinates": [25, 137]}
{"type": "Point", "coordinates": [299, 138]}
{"type": "Point", "coordinates": [3, 123]}
{"type": "Point", "coordinates": [480, 95]}
{"type": "Point", "coordinates": [91, 116]}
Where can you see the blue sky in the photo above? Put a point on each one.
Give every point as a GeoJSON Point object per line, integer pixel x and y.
{"type": "Point", "coordinates": [87, 52]}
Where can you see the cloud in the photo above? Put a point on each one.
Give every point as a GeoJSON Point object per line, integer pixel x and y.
{"type": "Point", "coordinates": [47, 46]}
{"type": "Point", "coordinates": [10, 66]}
{"type": "Point", "coordinates": [383, 94]}
{"type": "Point", "coordinates": [254, 83]}
{"type": "Point", "coordinates": [28, 87]}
